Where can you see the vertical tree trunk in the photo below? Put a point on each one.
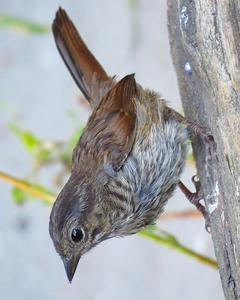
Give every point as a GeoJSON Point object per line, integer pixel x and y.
{"type": "Point", "coordinates": [205, 45]}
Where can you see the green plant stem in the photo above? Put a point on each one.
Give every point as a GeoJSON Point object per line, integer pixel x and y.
{"type": "Point", "coordinates": [177, 246]}
{"type": "Point", "coordinates": [153, 233]}
{"type": "Point", "coordinates": [28, 188]}
{"type": "Point", "coordinates": [22, 24]}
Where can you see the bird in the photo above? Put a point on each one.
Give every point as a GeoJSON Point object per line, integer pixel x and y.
{"type": "Point", "coordinates": [127, 162]}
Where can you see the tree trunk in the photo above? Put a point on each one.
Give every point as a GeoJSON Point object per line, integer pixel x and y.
{"type": "Point", "coordinates": [205, 46]}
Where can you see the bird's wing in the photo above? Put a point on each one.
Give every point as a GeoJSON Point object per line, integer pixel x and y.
{"type": "Point", "coordinates": [89, 75]}
{"type": "Point", "coordinates": [111, 129]}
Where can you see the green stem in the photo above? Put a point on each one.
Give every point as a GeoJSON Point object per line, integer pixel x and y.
{"type": "Point", "coordinates": [172, 243]}
{"type": "Point", "coordinates": [22, 24]}
{"type": "Point", "coordinates": [28, 188]}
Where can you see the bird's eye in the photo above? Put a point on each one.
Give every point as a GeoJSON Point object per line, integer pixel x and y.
{"type": "Point", "coordinates": [77, 235]}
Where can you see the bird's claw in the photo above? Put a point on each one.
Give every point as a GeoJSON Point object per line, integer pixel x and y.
{"type": "Point", "coordinates": [195, 199]}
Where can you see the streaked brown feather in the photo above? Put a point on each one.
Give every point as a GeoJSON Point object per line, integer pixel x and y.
{"type": "Point", "coordinates": [85, 69]}
{"type": "Point", "coordinates": [111, 130]}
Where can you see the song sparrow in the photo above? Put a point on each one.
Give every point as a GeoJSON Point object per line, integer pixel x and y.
{"type": "Point", "coordinates": [127, 162]}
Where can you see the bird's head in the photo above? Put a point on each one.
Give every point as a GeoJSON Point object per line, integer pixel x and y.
{"type": "Point", "coordinates": [78, 221]}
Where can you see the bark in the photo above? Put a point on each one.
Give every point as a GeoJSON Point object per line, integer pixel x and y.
{"type": "Point", "coordinates": [205, 46]}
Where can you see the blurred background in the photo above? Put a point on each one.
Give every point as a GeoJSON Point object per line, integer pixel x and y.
{"type": "Point", "coordinates": [41, 115]}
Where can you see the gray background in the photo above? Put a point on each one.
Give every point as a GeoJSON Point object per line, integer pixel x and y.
{"type": "Point", "coordinates": [37, 92]}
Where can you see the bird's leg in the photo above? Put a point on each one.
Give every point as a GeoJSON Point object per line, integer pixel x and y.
{"type": "Point", "coordinates": [206, 138]}
{"type": "Point", "coordinates": [197, 130]}
{"type": "Point", "coordinates": [195, 199]}
{"type": "Point", "coordinates": [210, 147]}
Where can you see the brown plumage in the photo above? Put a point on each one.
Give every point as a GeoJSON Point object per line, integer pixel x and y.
{"type": "Point", "coordinates": [127, 162]}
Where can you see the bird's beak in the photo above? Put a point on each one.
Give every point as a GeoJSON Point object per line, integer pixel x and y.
{"type": "Point", "coordinates": [71, 266]}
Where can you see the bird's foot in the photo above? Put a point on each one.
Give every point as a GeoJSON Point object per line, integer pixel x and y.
{"type": "Point", "coordinates": [196, 129]}
{"type": "Point", "coordinates": [195, 199]}
{"type": "Point", "coordinates": [206, 137]}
